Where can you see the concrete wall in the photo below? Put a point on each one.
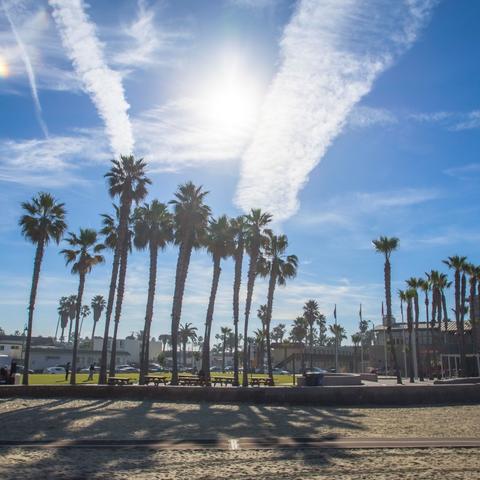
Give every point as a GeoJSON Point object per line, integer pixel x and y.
{"type": "Point", "coordinates": [326, 396]}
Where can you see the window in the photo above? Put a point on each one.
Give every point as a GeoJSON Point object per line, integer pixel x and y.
{"type": "Point", "coordinates": [15, 347]}
{"type": "Point", "coordinates": [2, 347]}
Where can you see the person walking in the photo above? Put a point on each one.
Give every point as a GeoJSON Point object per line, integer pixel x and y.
{"type": "Point", "coordinates": [91, 371]}
{"type": "Point", "coordinates": [67, 371]}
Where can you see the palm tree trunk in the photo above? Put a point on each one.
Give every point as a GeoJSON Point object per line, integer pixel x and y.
{"type": "Point", "coordinates": [252, 272]}
{"type": "Point", "coordinates": [209, 318]}
{"type": "Point", "coordinates": [93, 332]}
{"type": "Point", "coordinates": [152, 283]}
{"type": "Point", "coordinates": [31, 306]}
{"type": "Point", "coordinates": [102, 380]}
{"type": "Point", "coordinates": [224, 346]}
{"type": "Point", "coordinates": [388, 300]}
{"type": "Point", "coordinates": [236, 308]}
{"type": "Point", "coordinates": [463, 359]}
{"type": "Point", "coordinates": [118, 307]}
{"type": "Point", "coordinates": [81, 286]}
{"type": "Point", "coordinates": [180, 279]}
{"type": "Point", "coordinates": [270, 294]}
{"type": "Point", "coordinates": [417, 344]}
{"type": "Point", "coordinates": [310, 341]}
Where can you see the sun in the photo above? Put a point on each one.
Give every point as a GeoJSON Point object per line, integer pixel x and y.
{"type": "Point", "coordinates": [229, 99]}
{"type": "Point", "coordinates": [4, 70]}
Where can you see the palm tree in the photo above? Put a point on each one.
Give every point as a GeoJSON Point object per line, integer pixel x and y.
{"type": "Point", "coordinates": [409, 296]}
{"type": "Point", "coordinates": [457, 264]}
{"type": "Point", "coordinates": [426, 287]}
{"type": "Point", "coordinates": [72, 311]}
{"type": "Point", "coordinates": [338, 333]}
{"type": "Point", "coordinates": [190, 219]}
{"type": "Point", "coordinates": [110, 231]}
{"type": "Point", "coordinates": [63, 311]}
{"type": "Point", "coordinates": [299, 330]}
{"type": "Point", "coordinates": [414, 284]}
{"type": "Point", "coordinates": [259, 340]}
{"type": "Point", "coordinates": [186, 332]}
{"type": "Point", "coordinates": [84, 313]}
{"type": "Point", "coordinates": [84, 255]}
{"type": "Point", "coordinates": [219, 243]}
{"type": "Point", "coordinates": [164, 339]}
{"type": "Point", "coordinates": [225, 333]}
{"type": "Point", "coordinates": [311, 314]}
{"type": "Point", "coordinates": [356, 339]}
{"type": "Point", "coordinates": [386, 246]}
{"type": "Point", "coordinates": [256, 221]}
{"type": "Point", "coordinates": [98, 306]}
{"type": "Point", "coordinates": [42, 222]}
{"type": "Point", "coordinates": [127, 180]}
{"type": "Point", "coordinates": [472, 271]}
{"type": "Point", "coordinates": [278, 333]}
{"type": "Point", "coordinates": [153, 228]}
{"type": "Point", "coordinates": [238, 227]}
{"type": "Point", "coordinates": [279, 267]}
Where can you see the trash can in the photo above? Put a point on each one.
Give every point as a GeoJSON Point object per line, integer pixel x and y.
{"type": "Point", "coordinates": [18, 379]}
{"type": "Point", "coordinates": [313, 379]}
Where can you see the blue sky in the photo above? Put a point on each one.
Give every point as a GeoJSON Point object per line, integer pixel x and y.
{"type": "Point", "coordinates": [346, 119]}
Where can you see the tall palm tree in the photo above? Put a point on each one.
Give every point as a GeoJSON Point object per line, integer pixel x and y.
{"type": "Point", "coordinates": [426, 287]}
{"type": "Point", "coordinates": [472, 271]}
{"type": "Point", "coordinates": [153, 226]}
{"type": "Point", "coordinates": [42, 222]}
{"type": "Point", "coordinates": [190, 221]}
{"type": "Point", "coordinates": [279, 267]}
{"type": "Point", "coordinates": [164, 338]}
{"type": "Point", "coordinates": [299, 330]}
{"type": "Point", "coordinates": [219, 243]}
{"type": "Point", "coordinates": [110, 231]}
{"type": "Point", "coordinates": [186, 332]}
{"type": "Point", "coordinates": [127, 180]}
{"type": "Point", "coordinates": [84, 255]}
{"type": "Point", "coordinates": [98, 306]}
{"type": "Point", "coordinates": [311, 314]}
{"type": "Point", "coordinates": [256, 222]}
{"type": "Point", "coordinates": [84, 313]}
{"type": "Point", "coordinates": [225, 333]}
{"type": "Point", "coordinates": [278, 333]}
{"type": "Point", "coordinates": [259, 340]}
{"type": "Point", "coordinates": [386, 245]}
{"type": "Point", "coordinates": [262, 316]}
{"type": "Point", "coordinates": [72, 311]}
{"type": "Point", "coordinates": [238, 226]}
{"type": "Point", "coordinates": [414, 284]}
{"type": "Point", "coordinates": [409, 296]}
{"type": "Point", "coordinates": [457, 264]}
{"type": "Point", "coordinates": [356, 339]}
{"type": "Point", "coordinates": [63, 311]}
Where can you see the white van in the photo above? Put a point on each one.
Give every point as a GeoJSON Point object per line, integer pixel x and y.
{"type": "Point", "coordinates": [5, 361]}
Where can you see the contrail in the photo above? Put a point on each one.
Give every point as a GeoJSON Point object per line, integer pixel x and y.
{"type": "Point", "coordinates": [30, 72]}
{"type": "Point", "coordinates": [332, 52]}
{"type": "Point", "coordinates": [102, 84]}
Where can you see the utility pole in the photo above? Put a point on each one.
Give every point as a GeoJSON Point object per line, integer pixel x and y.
{"type": "Point", "coordinates": [336, 339]}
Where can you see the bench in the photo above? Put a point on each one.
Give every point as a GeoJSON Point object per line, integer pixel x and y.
{"type": "Point", "coordinates": [155, 379]}
{"type": "Point", "coordinates": [222, 381]}
{"type": "Point", "coordinates": [256, 382]}
{"type": "Point", "coordinates": [190, 380]}
{"type": "Point", "coordinates": [119, 381]}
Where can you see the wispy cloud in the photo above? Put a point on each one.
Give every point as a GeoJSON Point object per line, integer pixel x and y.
{"type": "Point", "coordinates": [363, 116]}
{"type": "Point", "coordinates": [52, 162]}
{"type": "Point", "coordinates": [332, 53]}
{"type": "Point", "coordinates": [29, 70]}
{"type": "Point", "coordinates": [454, 121]}
{"type": "Point", "coordinates": [102, 83]}
{"type": "Point", "coordinates": [471, 171]}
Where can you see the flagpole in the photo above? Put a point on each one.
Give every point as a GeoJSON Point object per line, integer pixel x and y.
{"type": "Point", "coordinates": [361, 343]}
{"type": "Point", "coordinates": [336, 339]}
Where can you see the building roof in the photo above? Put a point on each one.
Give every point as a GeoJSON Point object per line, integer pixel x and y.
{"type": "Point", "coordinates": [20, 339]}
{"type": "Point", "coordinates": [451, 326]}
{"type": "Point", "coordinates": [53, 349]}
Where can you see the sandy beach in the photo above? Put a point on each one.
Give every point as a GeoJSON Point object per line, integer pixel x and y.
{"type": "Point", "coordinates": [62, 419]}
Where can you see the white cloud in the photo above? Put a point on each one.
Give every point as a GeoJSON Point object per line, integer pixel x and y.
{"type": "Point", "coordinates": [332, 53]}
{"type": "Point", "coordinates": [464, 172]}
{"type": "Point", "coordinates": [363, 116]}
{"type": "Point", "coordinates": [103, 84]}
{"type": "Point", "coordinates": [51, 162]}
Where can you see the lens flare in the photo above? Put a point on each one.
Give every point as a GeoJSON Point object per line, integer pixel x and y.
{"type": "Point", "coordinates": [3, 68]}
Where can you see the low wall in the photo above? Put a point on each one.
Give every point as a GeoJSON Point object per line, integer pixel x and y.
{"type": "Point", "coordinates": [331, 396]}
{"type": "Point", "coordinates": [456, 381]}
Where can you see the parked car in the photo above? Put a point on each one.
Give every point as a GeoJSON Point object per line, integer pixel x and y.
{"type": "Point", "coordinates": [20, 369]}
{"type": "Point", "coordinates": [127, 369]}
{"type": "Point", "coordinates": [316, 370]}
{"type": "Point", "coordinates": [55, 370]}
{"type": "Point", "coordinates": [280, 371]}
{"type": "Point", "coordinates": [215, 369]}
{"type": "Point", "coordinates": [87, 369]}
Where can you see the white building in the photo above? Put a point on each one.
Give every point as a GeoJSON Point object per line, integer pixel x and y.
{"type": "Point", "coordinates": [132, 346]}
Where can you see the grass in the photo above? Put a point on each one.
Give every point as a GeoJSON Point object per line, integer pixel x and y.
{"type": "Point", "coordinates": [54, 379]}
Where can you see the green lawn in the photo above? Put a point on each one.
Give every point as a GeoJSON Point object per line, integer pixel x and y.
{"type": "Point", "coordinates": [53, 379]}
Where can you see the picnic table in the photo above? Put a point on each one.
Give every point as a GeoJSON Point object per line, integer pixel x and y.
{"type": "Point", "coordinates": [257, 381]}
{"type": "Point", "coordinates": [119, 381]}
{"type": "Point", "coordinates": [190, 380]}
{"type": "Point", "coordinates": [222, 381]}
{"type": "Point", "coordinates": [155, 379]}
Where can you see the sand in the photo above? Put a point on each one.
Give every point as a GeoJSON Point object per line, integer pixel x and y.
{"type": "Point", "coordinates": [23, 419]}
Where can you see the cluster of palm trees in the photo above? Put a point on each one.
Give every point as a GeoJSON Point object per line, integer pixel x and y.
{"type": "Point", "coordinates": [433, 286]}
{"type": "Point", "coordinates": [190, 226]}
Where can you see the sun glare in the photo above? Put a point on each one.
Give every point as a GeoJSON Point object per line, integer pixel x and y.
{"type": "Point", "coordinates": [230, 99]}
{"type": "Point", "coordinates": [3, 68]}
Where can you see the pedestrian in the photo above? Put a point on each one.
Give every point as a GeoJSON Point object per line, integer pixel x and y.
{"type": "Point", "coordinates": [91, 372]}
{"type": "Point", "coordinates": [67, 370]}
{"type": "Point", "coordinates": [13, 371]}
